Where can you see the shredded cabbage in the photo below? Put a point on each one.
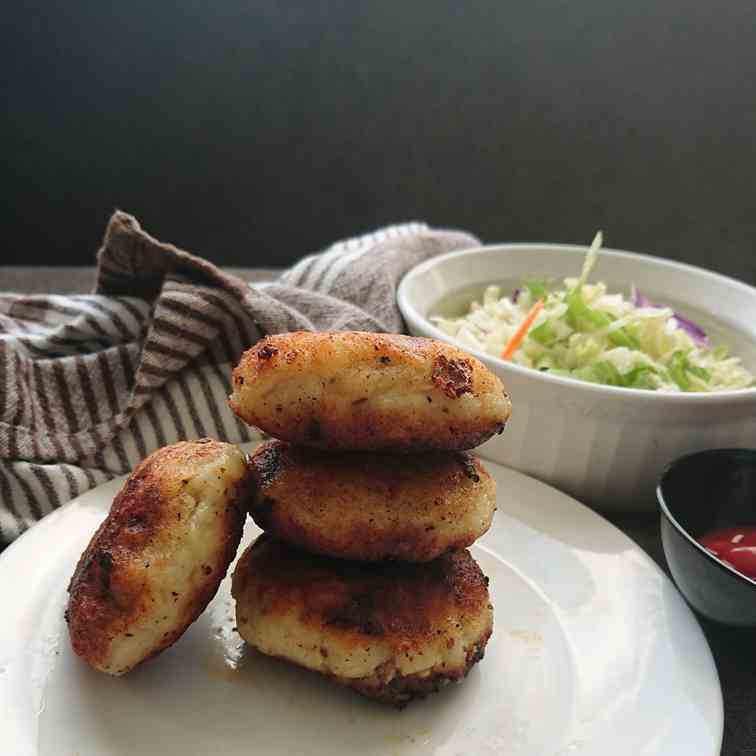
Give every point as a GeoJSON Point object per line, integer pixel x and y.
{"type": "Point", "coordinates": [584, 332]}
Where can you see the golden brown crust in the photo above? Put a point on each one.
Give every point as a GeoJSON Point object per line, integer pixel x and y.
{"type": "Point", "coordinates": [406, 604]}
{"type": "Point", "coordinates": [392, 631]}
{"type": "Point", "coordinates": [119, 580]}
{"type": "Point", "coordinates": [368, 391]}
{"type": "Point", "coordinates": [399, 690]}
{"type": "Point", "coordinates": [453, 377]}
{"type": "Point", "coordinates": [371, 506]}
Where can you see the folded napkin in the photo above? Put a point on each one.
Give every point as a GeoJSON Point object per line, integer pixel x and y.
{"type": "Point", "coordinates": [89, 385]}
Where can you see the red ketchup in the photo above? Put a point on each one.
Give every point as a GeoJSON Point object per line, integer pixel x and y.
{"type": "Point", "coordinates": [735, 546]}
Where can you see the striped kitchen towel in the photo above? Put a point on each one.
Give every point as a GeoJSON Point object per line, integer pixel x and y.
{"type": "Point", "coordinates": [89, 385]}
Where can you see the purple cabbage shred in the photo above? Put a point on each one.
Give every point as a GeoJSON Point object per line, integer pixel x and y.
{"type": "Point", "coordinates": [692, 329]}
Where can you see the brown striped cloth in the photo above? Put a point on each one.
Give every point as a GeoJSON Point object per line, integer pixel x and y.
{"type": "Point", "coordinates": [89, 385]}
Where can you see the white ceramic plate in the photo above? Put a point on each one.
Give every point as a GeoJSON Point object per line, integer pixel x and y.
{"type": "Point", "coordinates": [593, 652]}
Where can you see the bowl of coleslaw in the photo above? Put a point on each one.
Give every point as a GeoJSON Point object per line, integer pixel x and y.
{"type": "Point", "coordinates": [617, 362]}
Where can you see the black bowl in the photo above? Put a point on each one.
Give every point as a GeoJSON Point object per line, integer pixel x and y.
{"type": "Point", "coordinates": [699, 493]}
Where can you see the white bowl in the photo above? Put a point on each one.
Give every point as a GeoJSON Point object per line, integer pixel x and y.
{"type": "Point", "coordinates": [604, 445]}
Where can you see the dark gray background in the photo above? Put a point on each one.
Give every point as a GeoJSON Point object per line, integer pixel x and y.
{"type": "Point", "coordinates": [253, 132]}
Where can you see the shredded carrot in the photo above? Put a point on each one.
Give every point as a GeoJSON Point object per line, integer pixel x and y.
{"type": "Point", "coordinates": [519, 335]}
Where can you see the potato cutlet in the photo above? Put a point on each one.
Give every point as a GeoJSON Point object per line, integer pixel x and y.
{"type": "Point", "coordinates": [360, 391]}
{"type": "Point", "coordinates": [158, 558]}
{"type": "Point", "coordinates": [369, 506]}
{"type": "Point", "coordinates": [391, 631]}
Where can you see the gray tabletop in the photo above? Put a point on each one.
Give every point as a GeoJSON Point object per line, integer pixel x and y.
{"type": "Point", "coordinates": [734, 650]}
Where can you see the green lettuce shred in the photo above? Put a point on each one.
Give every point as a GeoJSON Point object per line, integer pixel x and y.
{"type": "Point", "coordinates": [583, 332]}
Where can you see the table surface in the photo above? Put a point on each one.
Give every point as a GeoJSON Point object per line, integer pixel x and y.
{"type": "Point", "coordinates": [734, 650]}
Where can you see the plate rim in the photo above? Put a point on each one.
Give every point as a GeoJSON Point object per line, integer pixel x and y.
{"type": "Point", "coordinates": [49, 521]}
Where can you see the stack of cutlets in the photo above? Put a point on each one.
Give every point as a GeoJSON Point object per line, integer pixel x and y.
{"type": "Point", "coordinates": [368, 499]}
